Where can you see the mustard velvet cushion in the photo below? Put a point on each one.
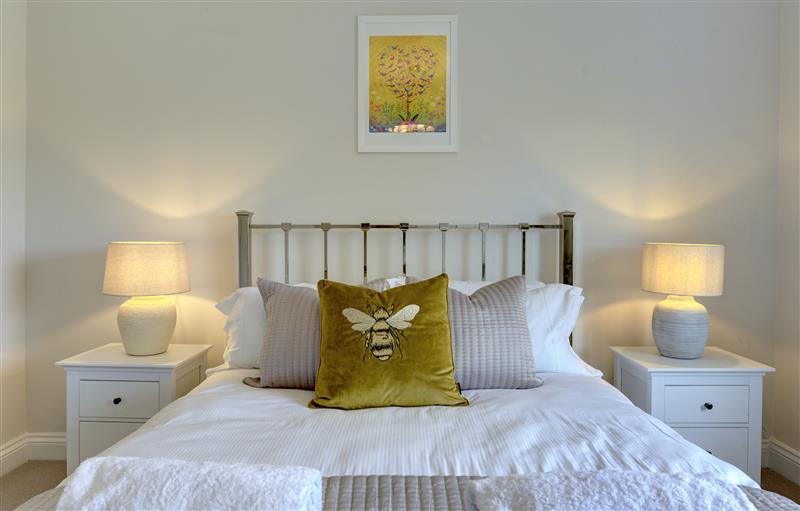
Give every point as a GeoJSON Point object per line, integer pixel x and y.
{"type": "Point", "coordinates": [385, 349]}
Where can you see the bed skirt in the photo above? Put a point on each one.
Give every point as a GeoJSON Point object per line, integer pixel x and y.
{"type": "Point", "coordinates": [411, 493]}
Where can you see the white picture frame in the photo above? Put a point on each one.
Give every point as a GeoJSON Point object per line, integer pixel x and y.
{"type": "Point", "coordinates": [445, 139]}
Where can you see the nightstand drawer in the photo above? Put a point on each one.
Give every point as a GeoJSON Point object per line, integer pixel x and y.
{"type": "Point", "coordinates": [96, 437]}
{"type": "Point", "coordinates": [727, 444]}
{"type": "Point", "coordinates": [123, 399]}
{"type": "Point", "coordinates": [706, 403]}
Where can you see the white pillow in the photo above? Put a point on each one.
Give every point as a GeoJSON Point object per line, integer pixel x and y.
{"type": "Point", "coordinates": [552, 314]}
{"type": "Point", "coordinates": [468, 287]}
{"type": "Point", "coordinates": [245, 327]}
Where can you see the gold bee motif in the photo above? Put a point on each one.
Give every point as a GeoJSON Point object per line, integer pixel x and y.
{"type": "Point", "coordinates": [381, 328]}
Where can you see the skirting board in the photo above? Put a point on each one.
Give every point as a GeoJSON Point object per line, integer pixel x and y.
{"type": "Point", "coordinates": [781, 458]}
{"type": "Point", "coordinates": [32, 446]}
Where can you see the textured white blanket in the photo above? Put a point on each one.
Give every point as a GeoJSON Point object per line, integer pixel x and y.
{"type": "Point", "coordinates": [605, 490]}
{"type": "Point", "coordinates": [570, 424]}
{"type": "Point", "coordinates": [121, 483]}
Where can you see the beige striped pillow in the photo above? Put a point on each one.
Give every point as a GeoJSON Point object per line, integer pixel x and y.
{"type": "Point", "coordinates": [491, 343]}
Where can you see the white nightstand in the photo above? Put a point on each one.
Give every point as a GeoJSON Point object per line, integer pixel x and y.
{"type": "Point", "coordinates": [110, 394]}
{"type": "Point", "coordinates": [713, 401]}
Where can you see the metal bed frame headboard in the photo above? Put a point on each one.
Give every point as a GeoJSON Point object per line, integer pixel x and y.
{"type": "Point", "coordinates": [246, 228]}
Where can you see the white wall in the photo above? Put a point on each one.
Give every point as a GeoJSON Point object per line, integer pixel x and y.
{"type": "Point", "coordinates": [13, 412]}
{"type": "Point", "coordinates": [158, 121]}
{"type": "Point", "coordinates": [787, 336]}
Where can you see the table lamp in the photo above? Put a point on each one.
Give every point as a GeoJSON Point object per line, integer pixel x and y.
{"type": "Point", "coordinates": [682, 271]}
{"type": "Point", "coordinates": [146, 271]}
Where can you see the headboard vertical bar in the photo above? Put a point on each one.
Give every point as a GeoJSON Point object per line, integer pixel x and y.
{"type": "Point", "coordinates": [365, 229]}
{"type": "Point", "coordinates": [565, 247]}
{"type": "Point", "coordinates": [443, 227]}
{"type": "Point", "coordinates": [404, 230]}
{"type": "Point", "coordinates": [286, 226]}
{"type": "Point", "coordinates": [325, 228]}
{"type": "Point", "coordinates": [524, 228]}
{"type": "Point", "coordinates": [565, 250]}
{"type": "Point", "coordinates": [483, 228]}
{"type": "Point", "coordinates": [245, 251]}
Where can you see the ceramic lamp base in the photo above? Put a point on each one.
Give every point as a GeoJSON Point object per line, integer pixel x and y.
{"type": "Point", "coordinates": [146, 324]}
{"type": "Point", "coordinates": [680, 327]}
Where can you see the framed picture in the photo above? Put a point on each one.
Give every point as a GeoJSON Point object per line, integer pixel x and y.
{"type": "Point", "coordinates": [407, 69]}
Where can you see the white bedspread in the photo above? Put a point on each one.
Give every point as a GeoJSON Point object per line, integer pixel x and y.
{"type": "Point", "coordinates": [571, 423]}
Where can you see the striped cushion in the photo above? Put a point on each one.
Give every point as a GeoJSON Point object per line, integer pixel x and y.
{"type": "Point", "coordinates": [491, 344]}
{"type": "Point", "coordinates": [290, 353]}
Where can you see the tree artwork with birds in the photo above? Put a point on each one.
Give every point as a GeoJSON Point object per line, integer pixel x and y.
{"type": "Point", "coordinates": [407, 84]}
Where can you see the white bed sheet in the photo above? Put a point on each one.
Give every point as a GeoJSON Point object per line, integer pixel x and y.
{"type": "Point", "coordinates": [572, 423]}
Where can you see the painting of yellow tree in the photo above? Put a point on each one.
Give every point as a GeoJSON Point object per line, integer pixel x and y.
{"type": "Point", "coordinates": [408, 84]}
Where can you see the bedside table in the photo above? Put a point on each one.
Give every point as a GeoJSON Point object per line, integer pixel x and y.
{"type": "Point", "coordinates": [713, 401]}
{"type": "Point", "coordinates": [110, 393]}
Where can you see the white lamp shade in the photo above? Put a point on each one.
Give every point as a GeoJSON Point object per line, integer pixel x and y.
{"type": "Point", "coordinates": [146, 268]}
{"type": "Point", "coordinates": [683, 269]}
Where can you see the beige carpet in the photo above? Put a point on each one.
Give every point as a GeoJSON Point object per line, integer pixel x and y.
{"type": "Point", "coordinates": [28, 480]}
{"type": "Point", "coordinates": [35, 477]}
{"type": "Point", "coordinates": [774, 482]}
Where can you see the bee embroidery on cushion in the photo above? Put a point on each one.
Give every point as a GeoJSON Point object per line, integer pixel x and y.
{"type": "Point", "coordinates": [381, 329]}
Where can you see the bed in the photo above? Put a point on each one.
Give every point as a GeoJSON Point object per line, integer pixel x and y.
{"type": "Point", "coordinates": [421, 457]}
{"type": "Point", "coordinates": [570, 423]}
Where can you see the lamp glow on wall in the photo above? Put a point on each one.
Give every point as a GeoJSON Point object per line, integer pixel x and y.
{"type": "Point", "coordinates": [146, 271]}
{"type": "Point", "coordinates": [682, 271]}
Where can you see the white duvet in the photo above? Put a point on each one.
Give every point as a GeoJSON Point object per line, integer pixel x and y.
{"type": "Point", "coordinates": [571, 423]}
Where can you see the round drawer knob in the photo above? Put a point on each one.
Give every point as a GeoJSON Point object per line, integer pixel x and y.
{"type": "Point", "coordinates": [708, 406]}
{"type": "Point", "coordinates": [118, 400]}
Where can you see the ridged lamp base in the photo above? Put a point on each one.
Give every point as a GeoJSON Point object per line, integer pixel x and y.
{"type": "Point", "coordinates": [680, 327]}
{"type": "Point", "coordinates": [146, 324]}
